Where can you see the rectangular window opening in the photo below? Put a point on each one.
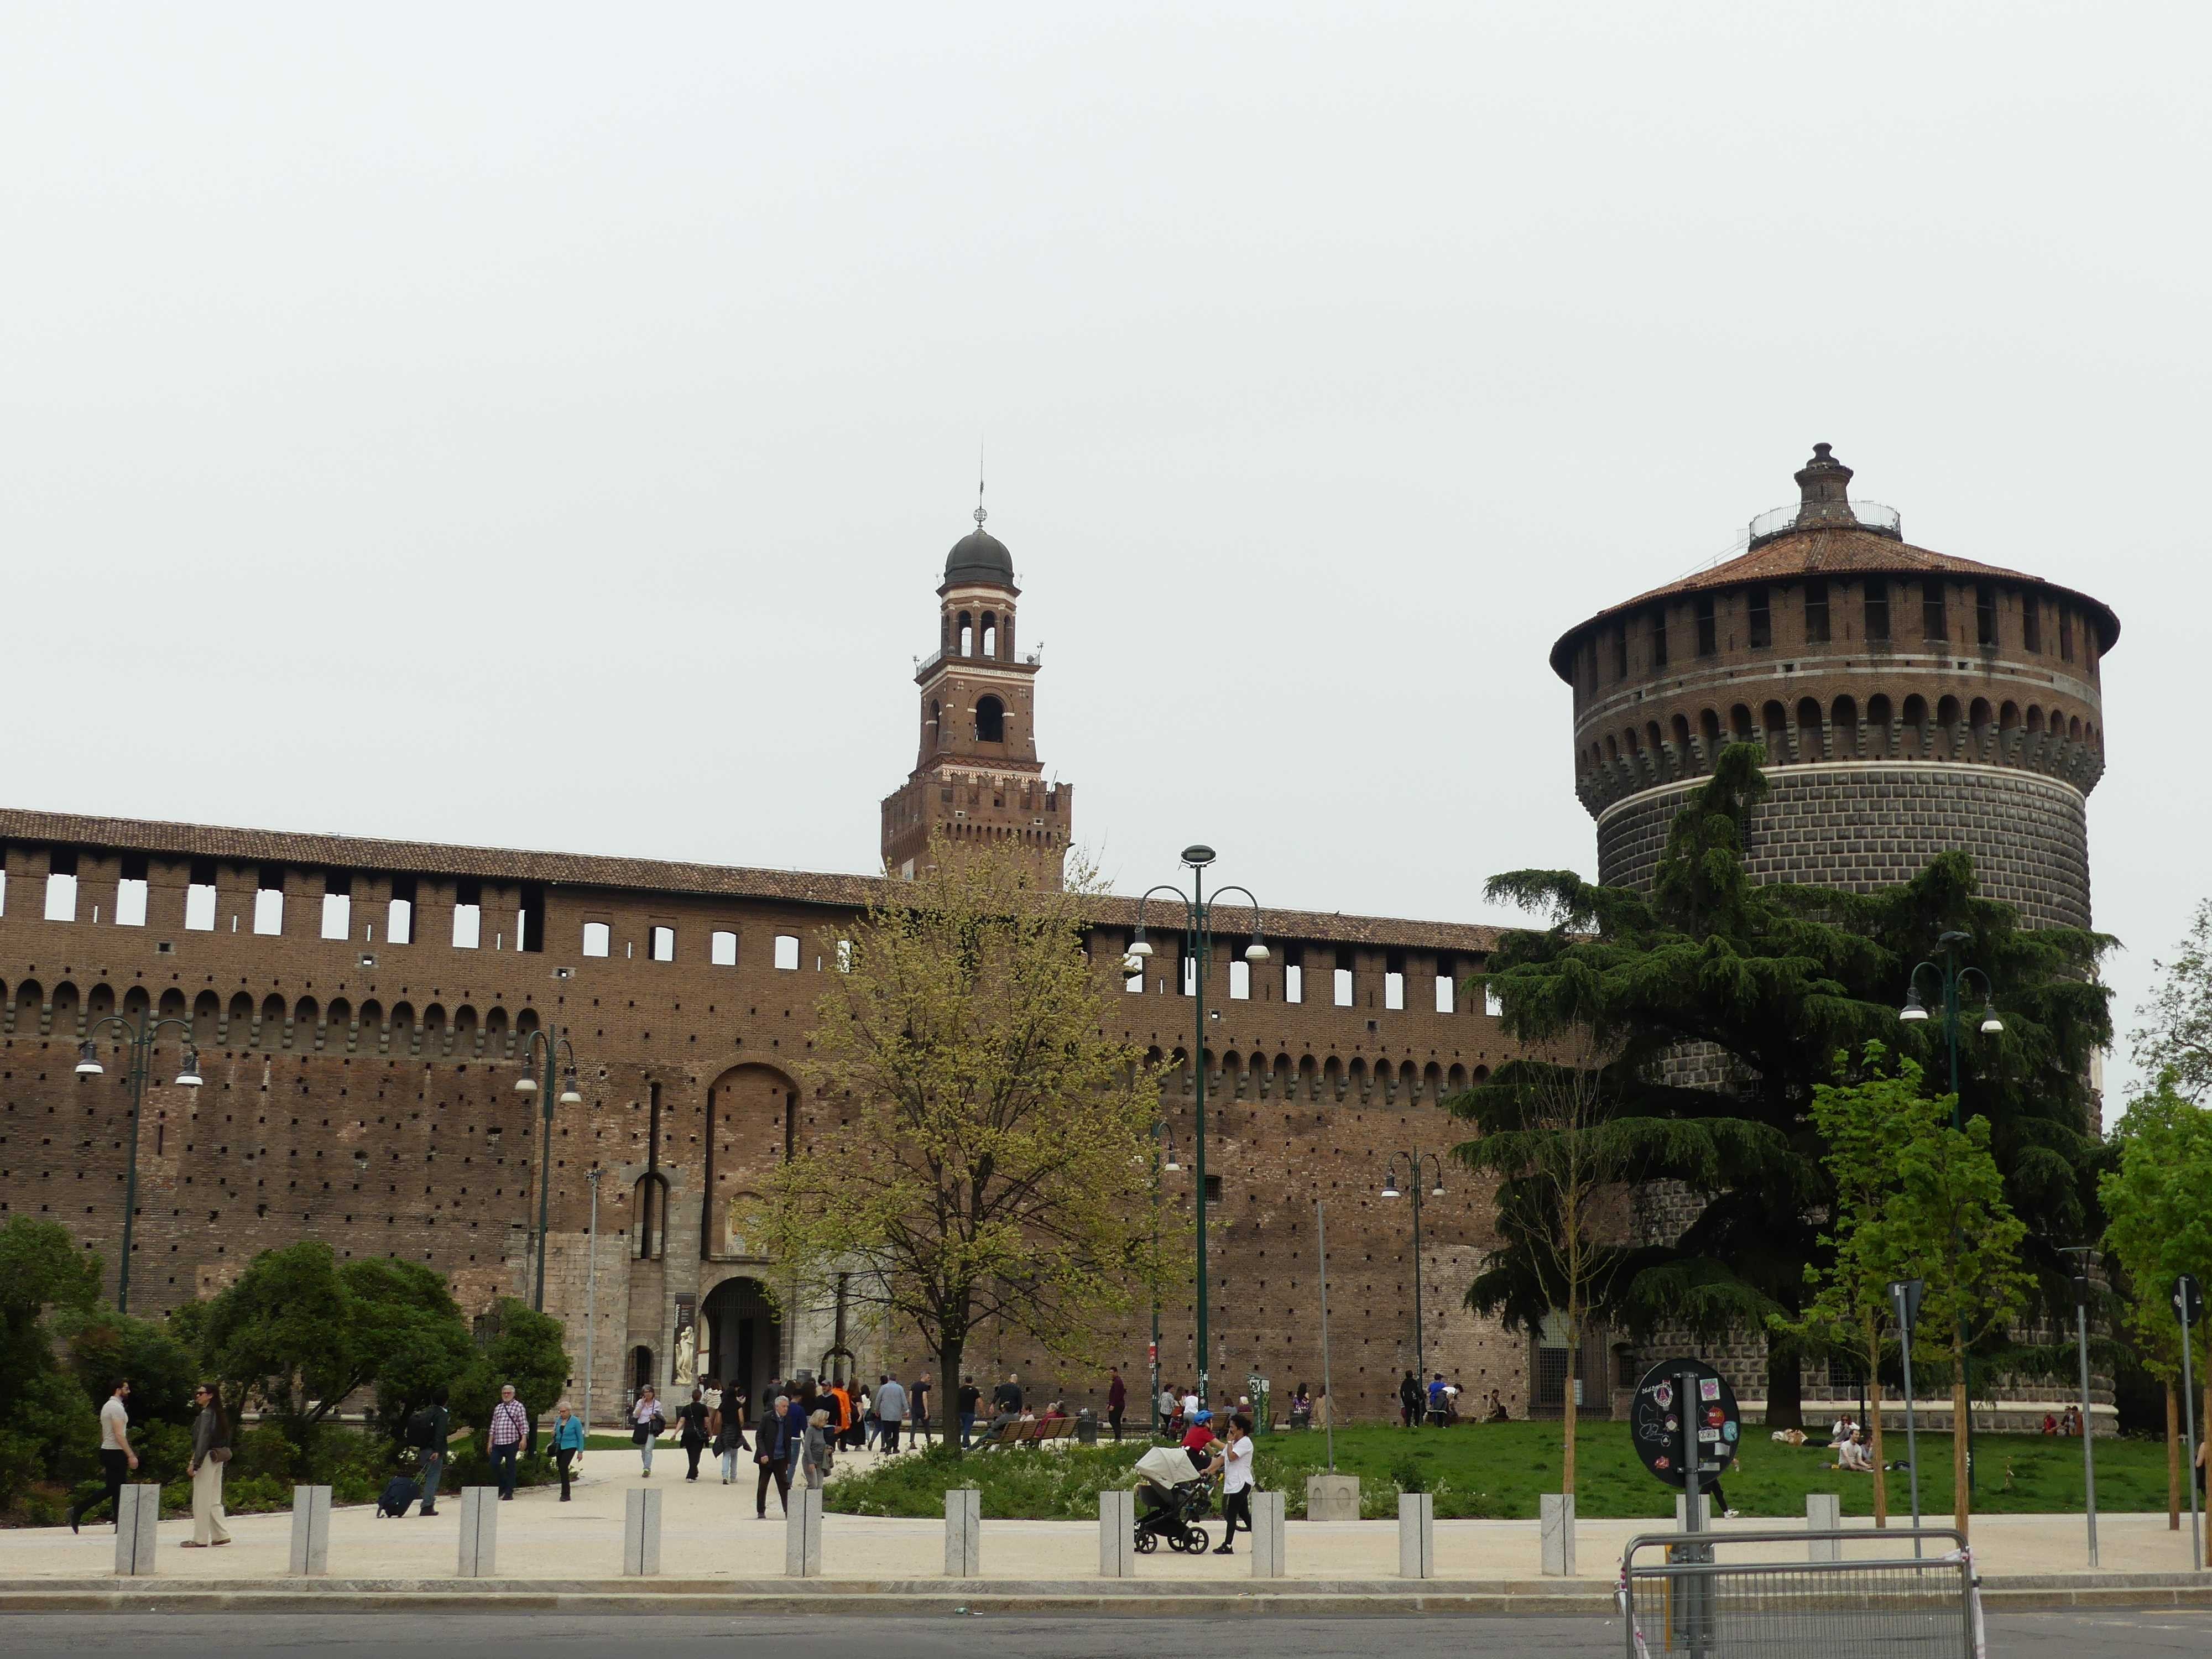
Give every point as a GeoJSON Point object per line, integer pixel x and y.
{"type": "Point", "coordinates": [787, 952]}
{"type": "Point", "coordinates": [1620, 653]}
{"type": "Point", "coordinates": [530, 917]}
{"type": "Point", "coordinates": [337, 915]}
{"type": "Point", "coordinates": [468, 915]}
{"type": "Point", "coordinates": [2065, 634]}
{"type": "Point", "coordinates": [61, 886]}
{"type": "Point", "coordinates": [1343, 988]}
{"type": "Point", "coordinates": [1393, 987]}
{"type": "Point", "coordinates": [1709, 643]}
{"type": "Point", "coordinates": [1877, 611]}
{"type": "Point", "coordinates": [1189, 974]}
{"type": "Point", "coordinates": [1933, 625]}
{"type": "Point", "coordinates": [1492, 1004]}
{"type": "Point", "coordinates": [2031, 622]}
{"type": "Point", "coordinates": [597, 939]}
{"type": "Point", "coordinates": [1659, 639]}
{"type": "Point", "coordinates": [1446, 993]}
{"type": "Point", "coordinates": [1240, 981]}
{"type": "Point", "coordinates": [199, 898]}
{"type": "Point", "coordinates": [399, 920]}
{"type": "Point", "coordinates": [1214, 1189]}
{"type": "Point", "coordinates": [722, 948]}
{"type": "Point", "coordinates": [1985, 614]}
{"type": "Point", "coordinates": [1294, 975]}
{"type": "Point", "coordinates": [663, 943]}
{"type": "Point", "coordinates": [1762, 619]}
{"type": "Point", "coordinates": [1816, 610]}
{"type": "Point", "coordinates": [269, 902]}
{"type": "Point", "coordinates": [131, 891]}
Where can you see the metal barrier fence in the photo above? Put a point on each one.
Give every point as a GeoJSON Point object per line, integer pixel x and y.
{"type": "Point", "coordinates": [1905, 1606]}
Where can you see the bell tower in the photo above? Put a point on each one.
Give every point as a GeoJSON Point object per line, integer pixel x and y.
{"type": "Point", "coordinates": [976, 778]}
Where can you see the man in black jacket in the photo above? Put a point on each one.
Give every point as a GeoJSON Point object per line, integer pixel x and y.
{"type": "Point", "coordinates": [428, 1431]}
{"type": "Point", "coordinates": [1409, 1400]}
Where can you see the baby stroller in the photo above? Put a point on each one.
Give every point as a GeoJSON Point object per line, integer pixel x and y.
{"type": "Point", "coordinates": [1174, 1495]}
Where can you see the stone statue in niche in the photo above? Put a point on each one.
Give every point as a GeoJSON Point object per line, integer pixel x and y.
{"type": "Point", "coordinates": [687, 1358]}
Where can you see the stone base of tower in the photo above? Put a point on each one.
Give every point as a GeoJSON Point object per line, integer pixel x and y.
{"type": "Point", "coordinates": [1860, 825]}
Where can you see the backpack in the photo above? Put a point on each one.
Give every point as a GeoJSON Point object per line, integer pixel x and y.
{"type": "Point", "coordinates": [398, 1493]}
{"type": "Point", "coordinates": [422, 1429]}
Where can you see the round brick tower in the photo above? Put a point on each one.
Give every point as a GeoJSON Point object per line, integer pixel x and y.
{"type": "Point", "coordinates": [1909, 702]}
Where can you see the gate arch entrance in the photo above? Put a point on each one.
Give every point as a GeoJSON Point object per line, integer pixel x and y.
{"type": "Point", "coordinates": [745, 1338]}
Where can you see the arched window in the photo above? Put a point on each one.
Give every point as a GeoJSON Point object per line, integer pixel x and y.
{"type": "Point", "coordinates": [1878, 718]}
{"type": "Point", "coordinates": [967, 634]}
{"type": "Point", "coordinates": [990, 721]}
{"type": "Point", "coordinates": [990, 636]}
{"type": "Point", "coordinates": [935, 715]}
{"type": "Point", "coordinates": [1843, 714]}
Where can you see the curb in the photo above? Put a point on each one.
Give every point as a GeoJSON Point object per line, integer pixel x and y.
{"type": "Point", "coordinates": [1316, 1598]}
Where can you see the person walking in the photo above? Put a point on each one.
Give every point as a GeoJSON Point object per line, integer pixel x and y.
{"type": "Point", "coordinates": [816, 1448]}
{"type": "Point", "coordinates": [1117, 1400]}
{"type": "Point", "coordinates": [692, 1415]}
{"type": "Point", "coordinates": [729, 1426]}
{"type": "Point", "coordinates": [1168, 1403]}
{"type": "Point", "coordinates": [1409, 1399]}
{"type": "Point", "coordinates": [838, 1402]}
{"type": "Point", "coordinates": [510, 1424]}
{"type": "Point", "coordinates": [429, 1430]}
{"type": "Point", "coordinates": [211, 1451]}
{"type": "Point", "coordinates": [772, 1454]}
{"type": "Point", "coordinates": [116, 1457]}
{"type": "Point", "coordinates": [568, 1445]}
{"type": "Point", "coordinates": [917, 1408]}
{"type": "Point", "coordinates": [890, 1412]}
{"type": "Point", "coordinates": [970, 1398]}
{"type": "Point", "coordinates": [645, 1424]}
{"type": "Point", "coordinates": [1233, 1462]}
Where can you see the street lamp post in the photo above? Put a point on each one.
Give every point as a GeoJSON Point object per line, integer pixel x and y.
{"type": "Point", "coordinates": [1167, 1163]}
{"type": "Point", "coordinates": [591, 1293]}
{"type": "Point", "coordinates": [141, 1038]}
{"type": "Point", "coordinates": [1198, 915]}
{"type": "Point", "coordinates": [1416, 1160]}
{"type": "Point", "coordinates": [1951, 976]}
{"type": "Point", "coordinates": [2083, 1256]}
{"type": "Point", "coordinates": [552, 1044]}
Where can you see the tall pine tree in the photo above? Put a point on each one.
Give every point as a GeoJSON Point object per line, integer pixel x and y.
{"type": "Point", "coordinates": [1720, 1004]}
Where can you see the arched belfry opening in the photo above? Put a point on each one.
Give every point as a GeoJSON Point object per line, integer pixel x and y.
{"type": "Point", "coordinates": [990, 721]}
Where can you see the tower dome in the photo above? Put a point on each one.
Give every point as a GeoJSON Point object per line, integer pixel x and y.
{"type": "Point", "coordinates": [979, 556]}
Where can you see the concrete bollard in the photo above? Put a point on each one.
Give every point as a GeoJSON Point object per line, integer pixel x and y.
{"type": "Point", "coordinates": [1117, 1533]}
{"type": "Point", "coordinates": [1332, 1497]}
{"type": "Point", "coordinates": [1417, 1535]}
{"type": "Point", "coordinates": [136, 1512]}
{"type": "Point", "coordinates": [479, 1551]}
{"type": "Point", "coordinates": [1824, 1512]}
{"type": "Point", "coordinates": [311, 1532]}
{"type": "Point", "coordinates": [802, 1534]}
{"type": "Point", "coordinates": [964, 1533]}
{"type": "Point", "coordinates": [640, 1534]}
{"type": "Point", "coordinates": [1557, 1510]}
{"type": "Point", "coordinates": [1266, 1535]}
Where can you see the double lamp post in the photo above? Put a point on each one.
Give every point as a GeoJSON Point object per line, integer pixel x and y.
{"type": "Point", "coordinates": [1198, 925]}
{"type": "Point", "coordinates": [141, 1037]}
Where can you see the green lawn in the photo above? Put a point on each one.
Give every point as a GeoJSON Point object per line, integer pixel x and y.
{"type": "Point", "coordinates": [1497, 1470]}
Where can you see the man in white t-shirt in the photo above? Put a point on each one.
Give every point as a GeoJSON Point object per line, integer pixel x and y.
{"type": "Point", "coordinates": [1190, 1406]}
{"type": "Point", "coordinates": [116, 1457]}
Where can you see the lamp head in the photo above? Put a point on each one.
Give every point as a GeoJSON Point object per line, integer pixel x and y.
{"type": "Point", "coordinates": [1437, 1191]}
{"type": "Point", "coordinates": [190, 1077]}
{"type": "Point", "coordinates": [1990, 1024]}
{"type": "Point", "coordinates": [1390, 1183]}
{"type": "Point", "coordinates": [568, 1095]}
{"type": "Point", "coordinates": [1257, 950]}
{"type": "Point", "coordinates": [1140, 947]}
{"type": "Point", "coordinates": [526, 1084]}
{"type": "Point", "coordinates": [1913, 1009]}
{"type": "Point", "coordinates": [1198, 853]}
{"type": "Point", "coordinates": [87, 1061]}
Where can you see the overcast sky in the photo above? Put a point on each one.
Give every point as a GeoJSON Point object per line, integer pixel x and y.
{"type": "Point", "coordinates": [544, 425]}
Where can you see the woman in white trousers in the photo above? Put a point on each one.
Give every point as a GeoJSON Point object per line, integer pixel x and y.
{"type": "Point", "coordinates": [210, 1435]}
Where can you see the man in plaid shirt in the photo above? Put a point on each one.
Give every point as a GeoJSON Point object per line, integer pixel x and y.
{"type": "Point", "coordinates": [509, 1424]}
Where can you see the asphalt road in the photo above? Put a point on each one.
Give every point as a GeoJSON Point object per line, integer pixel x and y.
{"type": "Point", "coordinates": [544, 1636]}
